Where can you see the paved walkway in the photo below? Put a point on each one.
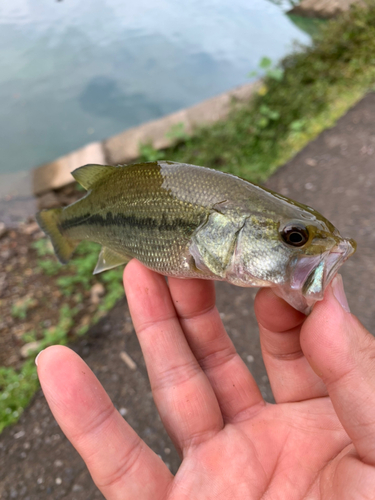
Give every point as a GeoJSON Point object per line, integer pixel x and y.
{"type": "Point", "coordinates": [336, 175]}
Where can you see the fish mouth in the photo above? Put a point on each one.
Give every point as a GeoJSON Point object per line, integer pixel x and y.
{"type": "Point", "coordinates": [324, 269]}
{"type": "Point", "coordinates": [312, 274]}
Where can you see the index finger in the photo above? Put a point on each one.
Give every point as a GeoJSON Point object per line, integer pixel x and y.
{"type": "Point", "coordinates": [291, 376]}
{"type": "Point", "coordinates": [342, 352]}
{"type": "Point", "coordinates": [120, 463]}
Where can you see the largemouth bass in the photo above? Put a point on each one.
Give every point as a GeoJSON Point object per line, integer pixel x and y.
{"type": "Point", "coordinates": [193, 222]}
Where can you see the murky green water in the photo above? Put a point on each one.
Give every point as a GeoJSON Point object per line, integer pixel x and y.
{"type": "Point", "coordinates": [72, 72]}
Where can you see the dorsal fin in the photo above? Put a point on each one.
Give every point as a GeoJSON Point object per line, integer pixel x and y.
{"type": "Point", "coordinates": [88, 175]}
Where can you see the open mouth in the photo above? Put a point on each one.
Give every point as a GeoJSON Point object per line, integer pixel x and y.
{"type": "Point", "coordinates": [322, 274]}
{"type": "Point", "coordinates": [312, 274]}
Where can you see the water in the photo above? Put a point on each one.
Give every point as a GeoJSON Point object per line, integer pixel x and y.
{"type": "Point", "coordinates": [73, 72]}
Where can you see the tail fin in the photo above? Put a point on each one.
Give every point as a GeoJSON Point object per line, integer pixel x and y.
{"type": "Point", "coordinates": [49, 220]}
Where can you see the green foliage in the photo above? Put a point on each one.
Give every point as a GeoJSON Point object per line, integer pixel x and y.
{"type": "Point", "coordinates": [305, 94]}
{"type": "Point", "coordinates": [115, 290]}
{"type": "Point", "coordinates": [58, 334]}
{"type": "Point", "coordinates": [16, 390]}
{"type": "Point", "coordinates": [49, 266]}
{"type": "Point", "coordinates": [20, 308]}
{"type": "Point", "coordinates": [29, 336]}
{"type": "Point", "coordinates": [147, 152]}
{"type": "Point", "coordinates": [178, 132]}
{"type": "Point", "coordinates": [271, 73]}
{"type": "Point", "coordinates": [43, 247]}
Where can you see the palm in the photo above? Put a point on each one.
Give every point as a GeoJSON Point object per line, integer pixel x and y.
{"type": "Point", "coordinates": [233, 444]}
{"type": "Point", "coordinates": [283, 448]}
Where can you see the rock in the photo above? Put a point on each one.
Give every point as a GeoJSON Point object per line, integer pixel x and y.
{"type": "Point", "coordinates": [3, 229]}
{"type": "Point", "coordinates": [19, 434]}
{"type": "Point", "coordinates": [48, 200]}
{"type": "Point", "coordinates": [128, 360]}
{"type": "Point", "coordinates": [30, 347]}
{"type": "Point", "coordinates": [324, 9]}
{"type": "Point", "coordinates": [85, 321]}
{"type": "Point", "coordinates": [311, 162]}
{"type": "Point", "coordinates": [30, 228]}
{"type": "Point", "coordinates": [96, 292]}
{"type": "Point", "coordinates": [5, 255]}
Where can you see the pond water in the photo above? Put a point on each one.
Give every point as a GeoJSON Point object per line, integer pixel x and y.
{"type": "Point", "coordinates": [73, 72]}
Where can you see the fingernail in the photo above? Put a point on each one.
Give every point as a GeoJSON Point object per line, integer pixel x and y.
{"type": "Point", "coordinates": [36, 359]}
{"type": "Point", "coordinates": [339, 293]}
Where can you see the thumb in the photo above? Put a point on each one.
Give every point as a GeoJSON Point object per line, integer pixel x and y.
{"type": "Point", "coordinates": [342, 352]}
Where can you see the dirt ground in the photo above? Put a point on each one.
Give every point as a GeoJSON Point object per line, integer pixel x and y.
{"type": "Point", "coordinates": [336, 175]}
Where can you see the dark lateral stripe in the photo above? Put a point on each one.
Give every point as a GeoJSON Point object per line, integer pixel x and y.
{"type": "Point", "coordinates": [131, 221]}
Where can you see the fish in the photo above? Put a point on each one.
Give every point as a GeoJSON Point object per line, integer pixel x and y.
{"type": "Point", "coordinates": [188, 221]}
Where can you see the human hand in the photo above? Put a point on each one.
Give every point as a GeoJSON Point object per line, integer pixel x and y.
{"type": "Point", "coordinates": [316, 442]}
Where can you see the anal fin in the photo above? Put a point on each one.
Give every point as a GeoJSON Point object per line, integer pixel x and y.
{"type": "Point", "coordinates": [108, 259]}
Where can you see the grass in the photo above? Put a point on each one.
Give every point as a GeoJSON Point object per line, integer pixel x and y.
{"type": "Point", "coordinates": [20, 308]}
{"type": "Point", "coordinates": [304, 95]}
{"type": "Point", "coordinates": [17, 388]}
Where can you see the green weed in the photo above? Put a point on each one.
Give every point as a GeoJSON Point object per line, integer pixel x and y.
{"type": "Point", "coordinates": [147, 152]}
{"type": "Point", "coordinates": [20, 308]}
{"type": "Point", "coordinates": [50, 267]}
{"type": "Point", "coordinates": [29, 336]}
{"type": "Point", "coordinates": [16, 390]}
{"type": "Point", "coordinates": [177, 133]}
{"type": "Point", "coordinates": [43, 247]}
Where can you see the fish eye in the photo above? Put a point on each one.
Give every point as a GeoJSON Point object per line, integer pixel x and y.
{"type": "Point", "coordinates": [295, 235]}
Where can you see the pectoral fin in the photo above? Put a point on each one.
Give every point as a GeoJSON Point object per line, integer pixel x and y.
{"type": "Point", "coordinates": [108, 259]}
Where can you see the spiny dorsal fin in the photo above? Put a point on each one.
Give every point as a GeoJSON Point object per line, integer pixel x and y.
{"type": "Point", "coordinates": [108, 259]}
{"type": "Point", "coordinates": [88, 175]}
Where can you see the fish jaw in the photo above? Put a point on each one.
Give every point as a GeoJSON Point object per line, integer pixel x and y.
{"type": "Point", "coordinates": [312, 275]}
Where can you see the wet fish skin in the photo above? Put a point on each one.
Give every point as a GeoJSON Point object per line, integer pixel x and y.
{"type": "Point", "coordinates": [192, 222]}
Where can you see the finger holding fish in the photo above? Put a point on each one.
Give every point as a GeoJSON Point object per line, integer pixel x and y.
{"type": "Point", "coordinates": [289, 372]}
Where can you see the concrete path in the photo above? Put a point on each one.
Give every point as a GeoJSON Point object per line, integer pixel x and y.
{"type": "Point", "coordinates": [336, 175]}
